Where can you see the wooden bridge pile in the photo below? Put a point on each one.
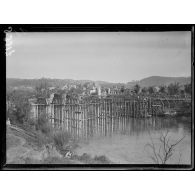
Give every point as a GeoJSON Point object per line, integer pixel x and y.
{"type": "Point", "coordinates": [100, 115]}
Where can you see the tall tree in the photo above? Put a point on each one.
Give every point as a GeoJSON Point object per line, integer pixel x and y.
{"type": "Point", "coordinates": [162, 89]}
{"type": "Point", "coordinates": [122, 89]}
{"type": "Point", "coordinates": [136, 88]}
{"type": "Point", "coordinates": [188, 88]}
{"type": "Point", "coordinates": [20, 109]}
{"type": "Point", "coordinates": [144, 90]}
{"type": "Point", "coordinates": [173, 89]}
{"type": "Point", "coordinates": [151, 90]}
{"type": "Point", "coordinates": [42, 89]}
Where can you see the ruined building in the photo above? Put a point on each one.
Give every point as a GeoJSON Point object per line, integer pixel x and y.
{"type": "Point", "coordinates": [50, 107]}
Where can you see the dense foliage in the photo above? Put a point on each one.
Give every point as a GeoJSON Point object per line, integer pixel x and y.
{"type": "Point", "coordinates": [19, 110]}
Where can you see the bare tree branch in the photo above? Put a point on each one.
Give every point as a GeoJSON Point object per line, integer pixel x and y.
{"type": "Point", "coordinates": [167, 149]}
{"type": "Point", "coordinates": [153, 148]}
{"type": "Point", "coordinates": [179, 157]}
{"type": "Point", "coordinates": [173, 145]}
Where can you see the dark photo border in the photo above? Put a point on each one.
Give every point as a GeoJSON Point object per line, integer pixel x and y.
{"type": "Point", "coordinates": [86, 28]}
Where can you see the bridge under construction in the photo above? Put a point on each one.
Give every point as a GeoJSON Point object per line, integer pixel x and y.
{"type": "Point", "coordinates": [79, 117]}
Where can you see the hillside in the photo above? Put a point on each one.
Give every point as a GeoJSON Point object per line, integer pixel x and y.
{"type": "Point", "coordinates": [146, 82]}
{"type": "Point", "coordinates": [32, 83]}
{"type": "Point", "coordinates": [159, 80]}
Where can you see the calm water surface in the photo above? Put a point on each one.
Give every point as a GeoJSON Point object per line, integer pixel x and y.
{"type": "Point", "coordinates": [126, 140]}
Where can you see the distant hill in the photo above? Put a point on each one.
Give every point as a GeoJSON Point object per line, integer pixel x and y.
{"type": "Point", "coordinates": [159, 80]}
{"type": "Point", "coordinates": [22, 83]}
{"type": "Point", "coordinates": [146, 82]}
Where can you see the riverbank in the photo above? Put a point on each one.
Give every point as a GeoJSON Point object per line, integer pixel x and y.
{"type": "Point", "coordinates": [21, 150]}
{"type": "Point", "coordinates": [126, 144]}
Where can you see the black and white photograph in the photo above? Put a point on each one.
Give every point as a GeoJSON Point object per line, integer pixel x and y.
{"type": "Point", "coordinates": [98, 98]}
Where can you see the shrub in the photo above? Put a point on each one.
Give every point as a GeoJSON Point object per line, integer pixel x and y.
{"type": "Point", "coordinates": [85, 157]}
{"type": "Point", "coordinates": [101, 159]}
{"type": "Point", "coordinates": [43, 124]}
{"type": "Point", "coordinates": [29, 125]}
{"type": "Point", "coordinates": [46, 128]}
{"type": "Point", "coordinates": [61, 138]}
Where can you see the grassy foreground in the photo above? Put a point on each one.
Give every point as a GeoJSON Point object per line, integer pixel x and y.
{"type": "Point", "coordinates": [51, 147]}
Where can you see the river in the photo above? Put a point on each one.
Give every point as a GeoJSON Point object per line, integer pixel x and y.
{"type": "Point", "coordinates": [126, 141]}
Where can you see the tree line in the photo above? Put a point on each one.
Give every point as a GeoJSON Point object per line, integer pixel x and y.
{"type": "Point", "coordinates": [171, 89]}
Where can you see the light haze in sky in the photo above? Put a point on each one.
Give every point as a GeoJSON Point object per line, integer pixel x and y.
{"type": "Point", "coordinates": [105, 56]}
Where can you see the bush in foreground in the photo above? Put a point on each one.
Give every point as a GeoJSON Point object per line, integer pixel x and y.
{"type": "Point", "coordinates": [87, 159]}
{"type": "Point", "coordinates": [61, 138]}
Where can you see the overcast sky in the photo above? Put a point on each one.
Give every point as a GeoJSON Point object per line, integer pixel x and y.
{"type": "Point", "coordinates": [107, 56]}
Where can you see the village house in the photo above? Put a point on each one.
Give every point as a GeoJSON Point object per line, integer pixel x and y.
{"type": "Point", "coordinates": [156, 89]}
{"type": "Point", "coordinates": [114, 92]}
{"type": "Point", "coordinates": [93, 91]}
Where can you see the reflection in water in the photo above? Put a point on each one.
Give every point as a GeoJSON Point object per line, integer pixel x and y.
{"type": "Point", "coordinates": [137, 126]}
{"type": "Point", "coordinates": [124, 140]}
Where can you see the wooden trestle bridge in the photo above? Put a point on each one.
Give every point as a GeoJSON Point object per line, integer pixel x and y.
{"type": "Point", "coordinates": [81, 116]}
